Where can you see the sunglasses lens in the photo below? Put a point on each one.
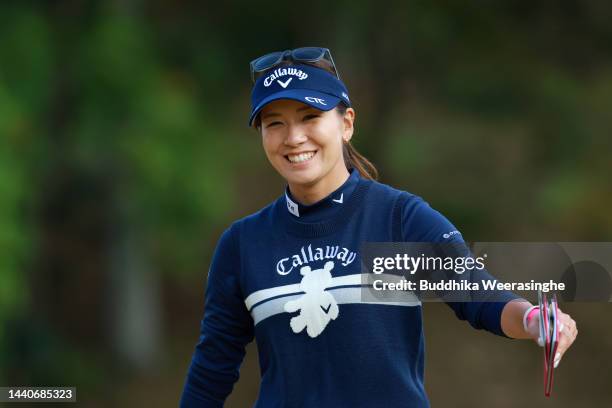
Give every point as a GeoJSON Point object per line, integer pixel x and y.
{"type": "Point", "coordinates": [316, 56]}
{"type": "Point", "coordinates": [308, 53]}
{"type": "Point", "coordinates": [267, 61]}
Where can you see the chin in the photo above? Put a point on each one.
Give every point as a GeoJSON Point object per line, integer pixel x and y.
{"type": "Point", "coordinates": [303, 177]}
{"type": "Point", "coordinates": [305, 180]}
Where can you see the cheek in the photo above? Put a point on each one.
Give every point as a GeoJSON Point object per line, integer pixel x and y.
{"type": "Point", "coordinates": [335, 131]}
{"type": "Point", "coordinates": [271, 146]}
{"type": "Point", "coordinates": [334, 143]}
{"type": "Point", "coordinates": [265, 143]}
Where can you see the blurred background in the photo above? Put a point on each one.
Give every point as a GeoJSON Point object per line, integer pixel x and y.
{"type": "Point", "coordinates": [124, 153]}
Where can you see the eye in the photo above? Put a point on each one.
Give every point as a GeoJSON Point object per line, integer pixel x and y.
{"type": "Point", "coordinates": [311, 116]}
{"type": "Point", "coordinates": [272, 124]}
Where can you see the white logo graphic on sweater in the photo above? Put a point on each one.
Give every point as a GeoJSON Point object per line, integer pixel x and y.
{"type": "Point", "coordinates": [450, 234]}
{"type": "Point", "coordinates": [310, 254]}
{"type": "Point", "coordinates": [317, 307]}
{"type": "Point", "coordinates": [292, 206]}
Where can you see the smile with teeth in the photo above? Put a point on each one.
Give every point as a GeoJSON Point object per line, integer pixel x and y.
{"type": "Point", "coordinates": [300, 158]}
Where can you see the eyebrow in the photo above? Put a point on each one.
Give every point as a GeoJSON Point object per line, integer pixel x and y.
{"type": "Point", "coordinates": [267, 115]}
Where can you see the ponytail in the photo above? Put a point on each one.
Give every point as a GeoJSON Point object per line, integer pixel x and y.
{"type": "Point", "coordinates": [355, 160]}
{"type": "Point", "coordinates": [352, 158]}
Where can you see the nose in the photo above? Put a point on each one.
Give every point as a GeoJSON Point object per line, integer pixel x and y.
{"type": "Point", "coordinates": [295, 136]}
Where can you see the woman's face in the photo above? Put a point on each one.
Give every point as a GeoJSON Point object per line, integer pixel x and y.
{"type": "Point", "coordinates": [304, 144]}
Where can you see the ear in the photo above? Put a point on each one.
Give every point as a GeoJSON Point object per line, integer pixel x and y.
{"type": "Point", "coordinates": [304, 270]}
{"type": "Point", "coordinates": [348, 122]}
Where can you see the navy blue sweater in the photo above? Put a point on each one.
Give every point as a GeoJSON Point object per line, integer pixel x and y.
{"type": "Point", "coordinates": [267, 271]}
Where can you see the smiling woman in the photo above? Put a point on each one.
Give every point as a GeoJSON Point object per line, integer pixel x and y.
{"type": "Point", "coordinates": [290, 274]}
{"type": "Point", "coordinates": [344, 114]}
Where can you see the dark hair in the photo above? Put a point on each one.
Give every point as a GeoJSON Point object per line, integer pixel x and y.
{"type": "Point", "coordinates": [352, 158]}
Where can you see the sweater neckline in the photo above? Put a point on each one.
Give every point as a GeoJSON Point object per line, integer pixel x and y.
{"type": "Point", "coordinates": [325, 207]}
{"type": "Point", "coordinates": [314, 225]}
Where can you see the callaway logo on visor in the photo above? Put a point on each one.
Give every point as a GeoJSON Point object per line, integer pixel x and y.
{"type": "Point", "coordinates": [280, 72]}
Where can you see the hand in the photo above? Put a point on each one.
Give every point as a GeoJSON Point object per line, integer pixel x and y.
{"type": "Point", "coordinates": [567, 333]}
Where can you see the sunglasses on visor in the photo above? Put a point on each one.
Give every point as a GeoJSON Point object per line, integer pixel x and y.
{"type": "Point", "coordinates": [316, 56]}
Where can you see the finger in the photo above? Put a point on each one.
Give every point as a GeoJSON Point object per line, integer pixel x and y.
{"type": "Point", "coordinates": [563, 344]}
{"type": "Point", "coordinates": [566, 338]}
{"type": "Point", "coordinates": [570, 327]}
{"type": "Point", "coordinates": [557, 359]}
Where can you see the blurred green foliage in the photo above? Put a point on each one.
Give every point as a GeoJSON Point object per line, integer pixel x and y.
{"type": "Point", "coordinates": [496, 113]}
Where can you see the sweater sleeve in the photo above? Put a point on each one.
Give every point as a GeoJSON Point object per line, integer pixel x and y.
{"type": "Point", "coordinates": [225, 330]}
{"type": "Point", "coordinates": [421, 223]}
